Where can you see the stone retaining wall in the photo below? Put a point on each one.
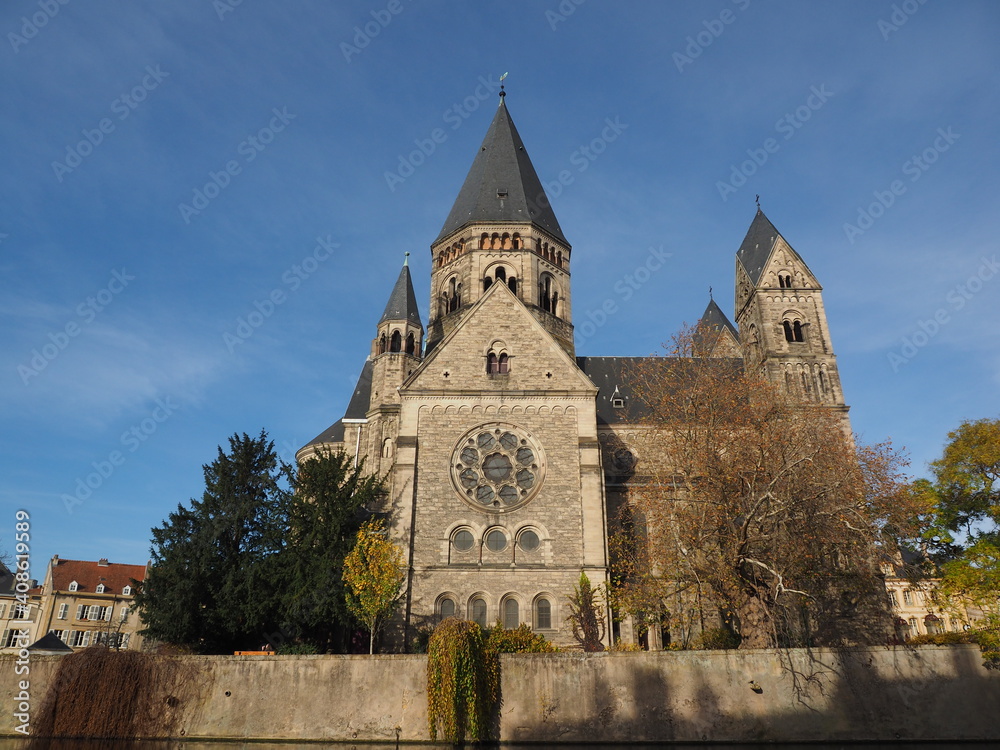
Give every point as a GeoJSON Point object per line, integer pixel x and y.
{"type": "Point", "coordinates": [718, 696]}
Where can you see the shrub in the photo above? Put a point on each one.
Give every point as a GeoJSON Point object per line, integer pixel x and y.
{"type": "Point", "coordinates": [519, 640]}
{"type": "Point", "coordinates": [717, 638]}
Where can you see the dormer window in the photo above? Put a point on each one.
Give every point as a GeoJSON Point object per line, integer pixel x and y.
{"type": "Point", "coordinates": [501, 193]}
{"type": "Point", "coordinates": [74, 586]}
{"type": "Point", "coordinates": [617, 400]}
{"type": "Point", "coordinates": [100, 588]}
{"type": "Point", "coordinates": [127, 591]}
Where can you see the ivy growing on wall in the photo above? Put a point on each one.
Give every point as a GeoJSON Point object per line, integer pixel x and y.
{"type": "Point", "coordinates": [463, 683]}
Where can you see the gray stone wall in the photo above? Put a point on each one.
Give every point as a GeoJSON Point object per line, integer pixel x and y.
{"type": "Point", "coordinates": [929, 693]}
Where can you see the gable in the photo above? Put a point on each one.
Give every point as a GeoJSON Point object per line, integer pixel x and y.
{"type": "Point", "coordinates": [498, 322]}
{"type": "Point", "coordinates": [783, 260]}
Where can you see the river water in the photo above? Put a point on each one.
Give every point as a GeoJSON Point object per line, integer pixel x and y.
{"type": "Point", "coordinates": [8, 744]}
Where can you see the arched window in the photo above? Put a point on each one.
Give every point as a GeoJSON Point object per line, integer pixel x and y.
{"type": "Point", "coordinates": [395, 342]}
{"type": "Point", "coordinates": [543, 614]}
{"type": "Point", "coordinates": [547, 294]}
{"type": "Point", "coordinates": [797, 331]}
{"type": "Point", "coordinates": [478, 611]}
{"type": "Point", "coordinates": [511, 614]}
{"type": "Point", "coordinates": [501, 273]}
{"type": "Point", "coordinates": [503, 364]}
{"type": "Point", "coordinates": [789, 336]}
{"type": "Point", "coordinates": [410, 343]}
{"type": "Point", "coordinates": [512, 284]}
{"type": "Point", "coordinates": [517, 241]}
{"type": "Point", "coordinates": [487, 283]}
{"type": "Point", "coordinates": [527, 540]}
{"type": "Point", "coordinates": [381, 344]}
{"type": "Point", "coordinates": [446, 608]}
{"type": "Point", "coordinates": [492, 364]}
{"type": "Point", "coordinates": [387, 448]}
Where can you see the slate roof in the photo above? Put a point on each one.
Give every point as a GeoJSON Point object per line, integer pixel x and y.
{"type": "Point", "coordinates": [50, 643]}
{"type": "Point", "coordinates": [402, 304]}
{"type": "Point", "coordinates": [712, 322]}
{"type": "Point", "coordinates": [615, 376]}
{"type": "Point", "coordinates": [757, 246]}
{"type": "Point", "coordinates": [356, 409]}
{"type": "Point", "coordinates": [88, 574]}
{"type": "Point", "coordinates": [502, 165]}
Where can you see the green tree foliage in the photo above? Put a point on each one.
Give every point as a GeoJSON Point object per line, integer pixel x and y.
{"type": "Point", "coordinates": [963, 527]}
{"type": "Point", "coordinates": [213, 585]}
{"type": "Point", "coordinates": [325, 513]}
{"type": "Point", "coordinates": [463, 683]}
{"type": "Point", "coordinates": [586, 615]}
{"type": "Point", "coordinates": [374, 574]}
{"type": "Point", "coordinates": [967, 481]}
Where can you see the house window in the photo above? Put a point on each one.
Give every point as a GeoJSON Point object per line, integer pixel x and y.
{"type": "Point", "coordinates": [511, 614]}
{"type": "Point", "coordinates": [893, 599]}
{"type": "Point", "coordinates": [63, 611]}
{"type": "Point", "coordinates": [127, 591]}
{"type": "Point", "coordinates": [543, 614]}
{"type": "Point", "coordinates": [907, 597]}
{"type": "Point", "coordinates": [446, 608]}
{"type": "Point", "coordinates": [123, 614]}
{"type": "Point", "coordinates": [479, 611]}
{"type": "Point", "coordinates": [914, 627]}
{"type": "Point", "coordinates": [80, 639]}
{"type": "Point", "coordinates": [3, 609]}
{"type": "Point", "coordinates": [20, 612]}
{"type": "Point", "coordinates": [74, 586]}
{"type": "Point", "coordinates": [11, 638]}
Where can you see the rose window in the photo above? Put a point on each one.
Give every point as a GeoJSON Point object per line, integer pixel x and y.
{"type": "Point", "coordinates": [497, 467]}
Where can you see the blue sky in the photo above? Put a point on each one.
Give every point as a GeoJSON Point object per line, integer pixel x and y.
{"type": "Point", "coordinates": [168, 167]}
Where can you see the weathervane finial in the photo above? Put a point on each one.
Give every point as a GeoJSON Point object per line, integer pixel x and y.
{"type": "Point", "coordinates": [502, 92]}
{"type": "Point", "coordinates": [406, 259]}
{"type": "Point", "coordinates": [710, 293]}
{"type": "Point", "coordinates": [756, 200]}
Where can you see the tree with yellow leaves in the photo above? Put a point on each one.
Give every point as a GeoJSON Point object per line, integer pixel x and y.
{"type": "Point", "coordinates": [374, 574]}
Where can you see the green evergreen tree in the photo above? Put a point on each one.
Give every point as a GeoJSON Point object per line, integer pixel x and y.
{"type": "Point", "coordinates": [214, 584]}
{"type": "Point", "coordinates": [324, 515]}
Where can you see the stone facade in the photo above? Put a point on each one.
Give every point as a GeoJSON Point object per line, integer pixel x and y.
{"type": "Point", "coordinates": [505, 454]}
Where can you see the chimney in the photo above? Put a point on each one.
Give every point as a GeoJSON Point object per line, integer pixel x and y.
{"type": "Point", "coordinates": [103, 562]}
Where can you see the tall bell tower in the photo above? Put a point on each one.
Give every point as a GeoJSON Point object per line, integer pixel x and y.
{"type": "Point", "coordinates": [501, 230]}
{"type": "Point", "coordinates": [781, 318]}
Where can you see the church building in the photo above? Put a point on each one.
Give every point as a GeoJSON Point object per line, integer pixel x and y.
{"type": "Point", "coordinates": [505, 453]}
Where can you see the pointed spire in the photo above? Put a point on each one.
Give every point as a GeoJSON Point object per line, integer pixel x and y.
{"type": "Point", "coordinates": [402, 304]}
{"type": "Point", "coordinates": [713, 319]}
{"type": "Point", "coordinates": [502, 184]}
{"type": "Point", "coordinates": [757, 246]}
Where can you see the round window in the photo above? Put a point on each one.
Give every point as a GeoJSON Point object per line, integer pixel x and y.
{"type": "Point", "coordinates": [528, 540]}
{"type": "Point", "coordinates": [463, 540]}
{"type": "Point", "coordinates": [497, 467]}
{"type": "Point", "coordinates": [496, 540]}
